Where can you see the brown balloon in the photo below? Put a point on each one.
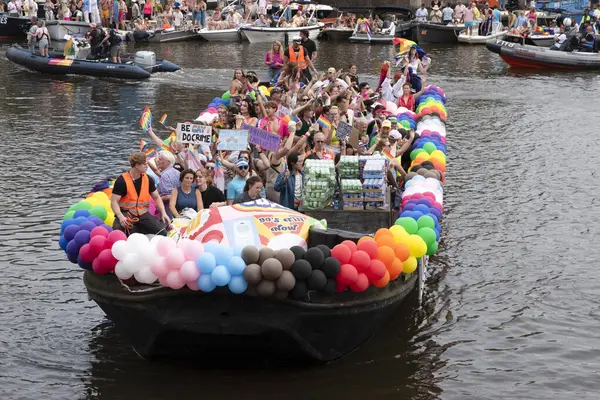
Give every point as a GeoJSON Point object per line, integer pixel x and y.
{"type": "Point", "coordinates": [271, 269]}
{"type": "Point", "coordinates": [422, 171]}
{"type": "Point", "coordinates": [266, 288]}
{"type": "Point", "coordinates": [253, 274]}
{"type": "Point", "coordinates": [431, 174]}
{"type": "Point", "coordinates": [285, 282]}
{"type": "Point", "coordinates": [286, 258]}
{"type": "Point", "coordinates": [409, 176]}
{"type": "Point", "coordinates": [265, 253]}
{"type": "Point", "coordinates": [250, 255]}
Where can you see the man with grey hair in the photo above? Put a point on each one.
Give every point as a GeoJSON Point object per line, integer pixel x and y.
{"type": "Point", "coordinates": [169, 176]}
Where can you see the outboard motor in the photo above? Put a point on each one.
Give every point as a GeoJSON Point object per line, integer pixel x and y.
{"type": "Point", "coordinates": [145, 59]}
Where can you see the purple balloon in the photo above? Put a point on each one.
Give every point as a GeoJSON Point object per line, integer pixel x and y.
{"type": "Point", "coordinates": [65, 223]}
{"type": "Point", "coordinates": [97, 221]}
{"type": "Point", "coordinates": [87, 226]}
{"type": "Point", "coordinates": [70, 232]}
{"type": "Point", "coordinates": [81, 238]}
{"type": "Point", "coordinates": [84, 264]}
{"type": "Point", "coordinates": [72, 251]}
{"type": "Point", "coordinates": [435, 211]}
{"type": "Point", "coordinates": [409, 206]}
{"type": "Point", "coordinates": [80, 220]}
{"type": "Point", "coordinates": [422, 208]}
{"type": "Point", "coordinates": [62, 242]}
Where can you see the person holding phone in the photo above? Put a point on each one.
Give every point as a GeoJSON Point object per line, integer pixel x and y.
{"type": "Point", "coordinates": [290, 182]}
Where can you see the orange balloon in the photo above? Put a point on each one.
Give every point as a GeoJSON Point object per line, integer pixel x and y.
{"type": "Point", "coordinates": [383, 281]}
{"type": "Point", "coordinates": [385, 240]}
{"type": "Point", "coordinates": [396, 269]}
{"type": "Point", "coordinates": [402, 251]}
{"type": "Point", "coordinates": [362, 239]}
{"type": "Point", "coordinates": [382, 232]}
{"type": "Point", "coordinates": [108, 192]}
{"type": "Point", "coordinates": [386, 255]}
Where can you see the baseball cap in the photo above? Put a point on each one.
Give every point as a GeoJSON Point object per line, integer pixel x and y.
{"type": "Point", "coordinates": [331, 70]}
{"type": "Point", "coordinates": [386, 124]}
{"type": "Point", "coordinates": [241, 162]}
{"type": "Point", "coordinates": [297, 39]}
{"type": "Point", "coordinates": [393, 120]}
{"type": "Point", "coordinates": [276, 90]}
{"type": "Point", "coordinates": [394, 134]}
{"type": "Point", "coordinates": [397, 76]}
{"type": "Point", "coordinates": [375, 106]}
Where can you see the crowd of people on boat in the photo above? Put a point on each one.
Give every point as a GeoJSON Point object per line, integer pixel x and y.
{"type": "Point", "coordinates": [304, 108]}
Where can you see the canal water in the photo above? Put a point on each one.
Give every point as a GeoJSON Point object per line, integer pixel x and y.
{"type": "Point", "coordinates": [510, 312]}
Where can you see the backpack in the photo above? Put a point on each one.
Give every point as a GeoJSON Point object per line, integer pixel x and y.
{"type": "Point", "coordinates": [113, 38]}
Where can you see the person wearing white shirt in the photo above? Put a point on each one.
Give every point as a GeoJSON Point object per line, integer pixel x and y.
{"type": "Point", "coordinates": [422, 14]}
{"type": "Point", "coordinates": [177, 18]}
{"type": "Point", "coordinates": [459, 12]}
{"type": "Point", "coordinates": [447, 14]}
{"type": "Point", "coordinates": [391, 89]}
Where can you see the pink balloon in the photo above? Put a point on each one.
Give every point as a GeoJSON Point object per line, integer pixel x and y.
{"type": "Point", "coordinates": [99, 231]}
{"type": "Point", "coordinates": [164, 247]}
{"type": "Point", "coordinates": [175, 258]}
{"type": "Point", "coordinates": [183, 243]}
{"type": "Point", "coordinates": [193, 286]}
{"type": "Point", "coordinates": [97, 244]}
{"type": "Point", "coordinates": [105, 262]}
{"type": "Point", "coordinates": [163, 281]}
{"type": "Point", "coordinates": [86, 253]}
{"type": "Point", "coordinates": [193, 250]}
{"type": "Point", "coordinates": [115, 236]}
{"type": "Point", "coordinates": [189, 272]}
{"type": "Point", "coordinates": [174, 280]}
{"type": "Point", "coordinates": [159, 267]}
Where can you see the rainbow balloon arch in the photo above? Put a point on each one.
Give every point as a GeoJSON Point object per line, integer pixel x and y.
{"type": "Point", "coordinates": [245, 248]}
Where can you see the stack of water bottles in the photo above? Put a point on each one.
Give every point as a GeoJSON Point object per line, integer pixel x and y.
{"type": "Point", "coordinates": [319, 183]}
{"type": "Point", "coordinates": [352, 194]}
{"type": "Point", "coordinates": [374, 185]}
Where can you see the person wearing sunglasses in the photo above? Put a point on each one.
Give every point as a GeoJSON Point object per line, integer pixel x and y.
{"type": "Point", "coordinates": [320, 150]}
{"type": "Point", "coordinates": [236, 185]}
{"type": "Point", "coordinates": [211, 195]}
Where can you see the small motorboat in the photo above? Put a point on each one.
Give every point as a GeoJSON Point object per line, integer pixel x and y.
{"type": "Point", "coordinates": [397, 22]}
{"type": "Point", "coordinates": [256, 34]}
{"type": "Point", "coordinates": [340, 34]}
{"type": "Point", "coordinates": [526, 56]}
{"type": "Point", "coordinates": [173, 35]}
{"type": "Point", "coordinates": [479, 39]}
{"type": "Point", "coordinates": [431, 32]}
{"type": "Point", "coordinates": [537, 39]}
{"type": "Point", "coordinates": [59, 29]}
{"type": "Point", "coordinates": [139, 67]}
{"type": "Point", "coordinates": [221, 35]}
{"type": "Point", "coordinates": [13, 27]}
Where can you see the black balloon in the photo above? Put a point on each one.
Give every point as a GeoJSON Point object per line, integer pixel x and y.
{"type": "Point", "coordinates": [326, 250]}
{"type": "Point", "coordinates": [299, 291]}
{"type": "Point", "coordinates": [330, 286]}
{"type": "Point", "coordinates": [426, 164]}
{"type": "Point", "coordinates": [415, 168]}
{"type": "Point", "coordinates": [298, 252]}
{"type": "Point", "coordinates": [317, 280]}
{"type": "Point", "coordinates": [331, 267]}
{"type": "Point", "coordinates": [301, 270]}
{"type": "Point", "coordinates": [315, 257]}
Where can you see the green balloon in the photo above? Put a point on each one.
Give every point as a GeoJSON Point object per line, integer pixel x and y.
{"type": "Point", "coordinates": [415, 152]}
{"type": "Point", "coordinates": [101, 213]}
{"type": "Point", "coordinates": [82, 205]}
{"type": "Point", "coordinates": [69, 214]}
{"type": "Point", "coordinates": [432, 249]}
{"type": "Point", "coordinates": [428, 236]}
{"type": "Point", "coordinates": [425, 221]}
{"type": "Point", "coordinates": [253, 95]}
{"type": "Point", "coordinates": [226, 96]}
{"type": "Point", "coordinates": [409, 224]}
{"type": "Point", "coordinates": [429, 147]}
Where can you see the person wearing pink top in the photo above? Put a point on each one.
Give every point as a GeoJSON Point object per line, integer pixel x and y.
{"type": "Point", "coordinates": [274, 61]}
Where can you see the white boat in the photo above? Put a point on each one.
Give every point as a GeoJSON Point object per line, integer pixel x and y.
{"type": "Point", "coordinates": [397, 22]}
{"type": "Point", "coordinates": [385, 36]}
{"type": "Point", "coordinates": [256, 34]}
{"type": "Point", "coordinates": [221, 35]}
{"type": "Point", "coordinates": [173, 35]}
{"type": "Point", "coordinates": [478, 39]}
{"type": "Point", "coordinates": [59, 29]}
{"type": "Point", "coordinates": [338, 33]}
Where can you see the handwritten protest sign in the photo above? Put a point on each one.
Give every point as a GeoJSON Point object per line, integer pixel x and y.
{"type": "Point", "coordinates": [264, 139]}
{"type": "Point", "coordinates": [188, 132]}
{"type": "Point", "coordinates": [343, 131]}
{"type": "Point", "coordinates": [233, 139]}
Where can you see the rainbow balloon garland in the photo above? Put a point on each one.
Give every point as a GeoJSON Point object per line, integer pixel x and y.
{"type": "Point", "coordinates": [89, 241]}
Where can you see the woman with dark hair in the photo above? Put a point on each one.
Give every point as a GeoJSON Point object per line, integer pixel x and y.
{"type": "Point", "coordinates": [247, 110]}
{"type": "Point", "coordinates": [237, 83]}
{"type": "Point", "coordinates": [289, 183]}
{"type": "Point", "coordinates": [252, 190]}
{"type": "Point", "coordinates": [185, 196]}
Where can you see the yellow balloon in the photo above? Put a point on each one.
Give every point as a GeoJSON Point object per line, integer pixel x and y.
{"type": "Point", "coordinates": [101, 196]}
{"type": "Point", "coordinates": [110, 218]}
{"type": "Point", "coordinates": [439, 154]}
{"type": "Point", "coordinates": [410, 265]}
{"type": "Point", "coordinates": [399, 233]}
{"type": "Point", "coordinates": [417, 246]}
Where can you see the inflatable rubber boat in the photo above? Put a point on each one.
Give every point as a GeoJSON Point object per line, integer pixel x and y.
{"type": "Point", "coordinates": [526, 56]}
{"type": "Point", "coordinates": [139, 67]}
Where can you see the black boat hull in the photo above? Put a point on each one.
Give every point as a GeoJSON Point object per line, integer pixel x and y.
{"type": "Point", "coordinates": [13, 27]}
{"type": "Point", "coordinates": [428, 32]}
{"type": "Point", "coordinates": [161, 322]}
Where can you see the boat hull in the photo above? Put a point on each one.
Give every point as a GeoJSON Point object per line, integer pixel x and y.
{"type": "Point", "coordinates": [476, 39]}
{"type": "Point", "coordinates": [375, 39]}
{"type": "Point", "coordinates": [59, 29]}
{"type": "Point", "coordinates": [526, 56]}
{"type": "Point", "coordinates": [174, 36]}
{"type": "Point", "coordinates": [438, 33]}
{"type": "Point", "coordinates": [340, 35]}
{"type": "Point", "coordinates": [262, 35]}
{"type": "Point", "coordinates": [223, 35]}
{"type": "Point", "coordinates": [13, 27]}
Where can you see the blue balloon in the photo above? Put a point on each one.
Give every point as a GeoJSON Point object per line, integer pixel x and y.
{"type": "Point", "coordinates": [72, 251]}
{"type": "Point", "coordinates": [223, 255]}
{"type": "Point", "coordinates": [205, 283]}
{"type": "Point", "coordinates": [81, 238]}
{"type": "Point", "coordinates": [216, 100]}
{"type": "Point", "coordinates": [226, 102]}
{"type": "Point", "coordinates": [62, 242]}
{"type": "Point", "coordinates": [237, 251]}
{"type": "Point", "coordinates": [80, 220]}
{"type": "Point", "coordinates": [81, 213]}
{"type": "Point", "coordinates": [206, 263]}
{"type": "Point", "coordinates": [84, 264]}
{"type": "Point", "coordinates": [236, 266]}
{"type": "Point", "coordinates": [435, 211]}
{"type": "Point", "coordinates": [87, 226]}
{"type": "Point", "coordinates": [238, 285]}
{"type": "Point", "coordinates": [409, 206]}
{"type": "Point", "coordinates": [422, 209]}
{"type": "Point", "coordinates": [211, 247]}
{"type": "Point", "coordinates": [220, 275]}
{"type": "Point", "coordinates": [416, 214]}
{"type": "Point", "coordinates": [406, 214]}
{"type": "Point", "coordinates": [65, 223]}
{"type": "Point", "coordinates": [70, 232]}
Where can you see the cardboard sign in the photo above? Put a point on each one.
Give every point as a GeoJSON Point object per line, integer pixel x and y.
{"type": "Point", "coordinates": [354, 138]}
{"type": "Point", "coordinates": [343, 131]}
{"type": "Point", "coordinates": [264, 139]}
{"type": "Point", "coordinates": [233, 139]}
{"type": "Point", "coordinates": [193, 133]}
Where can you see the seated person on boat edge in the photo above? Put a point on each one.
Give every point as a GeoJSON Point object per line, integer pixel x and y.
{"type": "Point", "coordinates": [130, 200]}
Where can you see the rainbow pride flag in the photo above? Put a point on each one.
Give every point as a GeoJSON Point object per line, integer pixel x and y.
{"type": "Point", "coordinates": [163, 119]}
{"type": "Point", "coordinates": [294, 118]}
{"type": "Point", "coordinates": [150, 152]}
{"type": "Point", "coordinates": [324, 122]}
{"type": "Point", "coordinates": [146, 119]}
{"type": "Point", "coordinates": [143, 144]}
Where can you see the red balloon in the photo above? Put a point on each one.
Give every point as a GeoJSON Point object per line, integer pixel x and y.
{"type": "Point", "coordinates": [104, 263]}
{"type": "Point", "coordinates": [429, 195]}
{"type": "Point", "coordinates": [369, 247]}
{"type": "Point", "coordinates": [99, 231]}
{"type": "Point", "coordinates": [86, 253]}
{"type": "Point", "coordinates": [347, 275]}
{"type": "Point", "coordinates": [340, 287]}
{"type": "Point", "coordinates": [417, 196]}
{"type": "Point", "coordinates": [360, 260]}
{"type": "Point", "coordinates": [97, 244]}
{"type": "Point", "coordinates": [376, 270]}
{"type": "Point", "coordinates": [115, 236]}
{"type": "Point", "coordinates": [342, 253]}
{"type": "Point", "coordinates": [350, 244]}
{"type": "Point", "coordinates": [361, 284]}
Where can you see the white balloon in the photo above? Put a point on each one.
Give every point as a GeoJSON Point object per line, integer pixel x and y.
{"type": "Point", "coordinates": [132, 263]}
{"type": "Point", "coordinates": [137, 240]}
{"type": "Point", "coordinates": [147, 254]}
{"type": "Point", "coordinates": [120, 249]}
{"type": "Point", "coordinates": [121, 272]}
{"type": "Point", "coordinates": [155, 239]}
{"type": "Point", "coordinates": [145, 275]}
